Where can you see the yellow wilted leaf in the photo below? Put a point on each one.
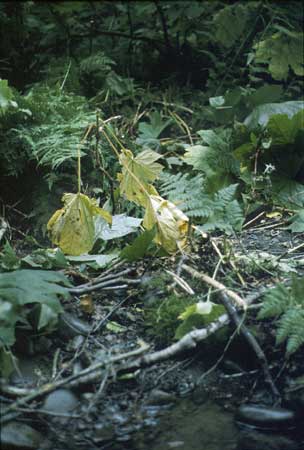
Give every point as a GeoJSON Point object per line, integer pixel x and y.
{"type": "Point", "coordinates": [137, 174]}
{"type": "Point", "coordinates": [72, 227]}
{"type": "Point", "coordinates": [171, 223]}
{"type": "Point", "coordinates": [274, 215]}
{"type": "Point", "coordinates": [86, 303]}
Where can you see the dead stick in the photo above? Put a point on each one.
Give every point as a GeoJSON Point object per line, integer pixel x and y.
{"type": "Point", "coordinates": [216, 284]}
{"type": "Point", "coordinates": [251, 341]}
{"type": "Point", "coordinates": [93, 373]}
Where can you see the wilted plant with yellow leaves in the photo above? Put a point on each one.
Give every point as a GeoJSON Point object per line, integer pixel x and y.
{"type": "Point", "coordinates": [72, 228]}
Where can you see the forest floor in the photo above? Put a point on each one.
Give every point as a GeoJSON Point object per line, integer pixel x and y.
{"type": "Point", "coordinates": [121, 403]}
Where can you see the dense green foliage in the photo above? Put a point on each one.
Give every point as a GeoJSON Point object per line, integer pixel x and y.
{"type": "Point", "coordinates": [214, 88]}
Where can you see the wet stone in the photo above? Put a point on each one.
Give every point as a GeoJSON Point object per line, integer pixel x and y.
{"type": "Point", "coordinates": [119, 419]}
{"type": "Point", "coordinates": [27, 375]}
{"type": "Point", "coordinates": [159, 397]}
{"type": "Point", "coordinates": [61, 401]}
{"type": "Point", "coordinates": [16, 435]}
{"type": "Point", "coordinates": [103, 432]}
{"type": "Point", "coordinates": [76, 342]}
{"type": "Point", "coordinates": [265, 417]}
{"type": "Point", "coordinates": [70, 326]}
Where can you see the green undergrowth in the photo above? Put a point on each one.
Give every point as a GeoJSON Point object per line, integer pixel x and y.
{"type": "Point", "coordinates": [220, 105]}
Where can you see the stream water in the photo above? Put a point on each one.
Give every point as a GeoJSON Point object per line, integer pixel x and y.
{"type": "Point", "coordinates": [194, 427]}
{"type": "Point", "coordinates": [208, 426]}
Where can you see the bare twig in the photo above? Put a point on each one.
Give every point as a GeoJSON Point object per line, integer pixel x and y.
{"type": "Point", "coordinates": [251, 341]}
{"type": "Point", "coordinates": [80, 377]}
{"type": "Point", "coordinates": [95, 371]}
{"type": "Point", "coordinates": [182, 283]}
{"type": "Point", "coordinates": [104, 285]}
{"type": "Point", "coordinates": [235, 297]}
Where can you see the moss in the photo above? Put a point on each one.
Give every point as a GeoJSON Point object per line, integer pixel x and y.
{"type": "Point", "coordinates": [162, 316]}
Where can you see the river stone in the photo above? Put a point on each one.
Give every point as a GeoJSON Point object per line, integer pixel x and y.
{"type": "Point", "coordinates": [103, 432]}
{"type": "Point", "coordinates": [17, 435]}
{"type": "Point", "coordinates": [61, 401]}
{"type": "Point", "coordinates": [159, 397]}
{"type": "Point", "coordinates": [26, 376]}
{"type": "Point", "coordinates": [265, 417]}
{"type": "Point", "coordinates": [70, 326]}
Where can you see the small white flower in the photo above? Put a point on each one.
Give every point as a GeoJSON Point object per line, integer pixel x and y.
{"type": "Point", "coordinates": [269, 168]}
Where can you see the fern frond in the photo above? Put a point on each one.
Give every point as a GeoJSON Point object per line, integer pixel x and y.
{"type": "Point", "coordinates": [58, 124]}
{"type": "Point", "coordinates": [285, 324]}
{"type": "Point", "coordinates": [296, 336]}
{"type": "Point", "coordinates": [226, 195]}
{"type": "Point", "coordinates": [275, 302]}
{"type": "Point", "coordinates": [220, 211]}
{"type": "Point", "coordinates": [177, 187]}
{"type": "Point", "coordinates": [286, 304]}
{"type": "Point", "coordinates": [97, 62]}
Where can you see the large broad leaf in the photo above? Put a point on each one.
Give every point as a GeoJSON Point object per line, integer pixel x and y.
{"type": "Point", "coordinates": [72, 227]}
{"type": "Point", "coordinates": [22, 287]}
{"type": "Point", "coordinates": [98, 261]}
{"type": "Point", "coordinates": [284, 130]}
{"type": "Point", "coordinates": [262, 113]}
{"type": "Point", "coordinates": [198, 156]}
{"type": "Point", "coordinates": [288, 193]}
{"type": "Point", "coordinates": [137, 174]}
{"type": "Point", "coordinates": [121, 226]}
{"type": "Point", "coordinates": [282, 51]}
{"type": "Point", "coordinates": [138, 248]}
{"type": "Point", "coordinates": [171, 223]}
{"type": "Point", "coordinates": [150, 132]}
{"type": "Point", "coordinates": [297, 225]}
{"type": "Point", "coordinates": [238, 15]}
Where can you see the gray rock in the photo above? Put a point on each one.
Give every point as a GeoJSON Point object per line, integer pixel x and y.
{"type": "Point", "coordinates": [159, 397]}
{"type": "Point", "coordinates": [27, 375]}
{"type": "Point", "coordinates": [103, 432]}
{"type": "Point", "coordinates": [17, 435]}
{"type": "Point", "coordinates": [61, 401]}
{"type": "Point", "coordinates": [70, 326]}
{"type": "Point", "coordinates": [265, 417]}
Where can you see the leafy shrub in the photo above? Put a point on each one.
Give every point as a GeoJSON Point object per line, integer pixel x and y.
{"type": "Point", "coordinates": [23, 290]}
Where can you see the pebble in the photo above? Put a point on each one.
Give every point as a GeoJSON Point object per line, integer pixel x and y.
{"type": "Point", "coordinates": [103, 432]}
{"type": "Point", "coordinates": [17, 435]}
{"type": "Point", "coordinates": [159, 397]}
{"type": "Point", "coordinates": [26, 376]}
{"type": "Point", "coordinates": [61, 401]}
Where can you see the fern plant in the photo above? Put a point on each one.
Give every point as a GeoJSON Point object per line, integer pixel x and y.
{"type": "Point", "coordinates": [57, 124]}
{"type": "Point", "coordinates": [218, 211]}
{"type": "Point", "coordinates": [286, 304]}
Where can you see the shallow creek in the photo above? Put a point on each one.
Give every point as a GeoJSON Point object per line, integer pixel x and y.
{"type": "Point", "coordinates": [208, 426]}
{"type": "Point", "coordinates": [188, 426]}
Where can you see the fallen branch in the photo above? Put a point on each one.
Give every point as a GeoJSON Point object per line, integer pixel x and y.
{"type": "Point", "coordinates": [217, 285]}
{"type": "Point", "coordinates": [95, 371]}
{"type": "Point", "coordinates": [104, 285]}
{"type": "Point", "coordinates": [251, 341]}
{"type": "Point", "coordinates": [50, 387]}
